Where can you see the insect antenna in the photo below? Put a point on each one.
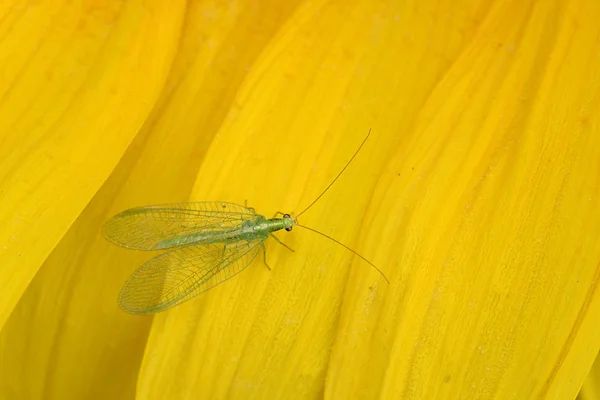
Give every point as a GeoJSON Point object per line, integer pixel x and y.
{"type": "Point", "coordinates": [336, 178]}
{"type": "Point", "coordinates": [321, 195]}
{"type": "Point", "coordinates": [347, 248]}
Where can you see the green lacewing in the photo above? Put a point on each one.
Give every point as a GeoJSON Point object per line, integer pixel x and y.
{"type": "Point", "coordinates": [210, 242]}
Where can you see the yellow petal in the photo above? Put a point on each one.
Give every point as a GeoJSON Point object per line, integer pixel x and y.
{"type": "Point", "coordinates": [491, 225]}
{"type": "Point", "coordinates": [77, 83]}
{"type": "Point", "coordinates": [590, 389]}
{"type": "Point", "coordinates": [304, 109]}
{"type": "Point", "coordinates": [481, 210]}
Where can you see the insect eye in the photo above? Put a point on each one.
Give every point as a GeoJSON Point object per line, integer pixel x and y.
{"type": "Point", "coordinates": [286, 215]}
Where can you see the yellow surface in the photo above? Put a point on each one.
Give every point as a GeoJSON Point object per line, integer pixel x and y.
{"type": "Point", "coordinates": [77, 81]}
{"type": "Point", "coordinates": [477, 195]}
{"type": "Point", "coordinates": [591, 387]}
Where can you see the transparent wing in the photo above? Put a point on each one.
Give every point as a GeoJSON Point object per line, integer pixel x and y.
{"type": "Point", "coordinates": [143, 228]}
{"type": "Point", "coordinates": [177, 276]}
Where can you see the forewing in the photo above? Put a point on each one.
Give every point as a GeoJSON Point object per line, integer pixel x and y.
{"type": "Point", "coordinates": [177, 276]}
{"type": "Point", "coordinates": [143, 228]}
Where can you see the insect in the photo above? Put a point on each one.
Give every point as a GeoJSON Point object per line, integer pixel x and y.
{"type": "Point", "coordinates": [211, 242]}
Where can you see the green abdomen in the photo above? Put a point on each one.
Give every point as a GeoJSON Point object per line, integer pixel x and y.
{"type": "Point", "coordinates": [248, 230]}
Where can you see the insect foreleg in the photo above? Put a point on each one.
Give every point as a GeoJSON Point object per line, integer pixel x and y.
{"type": "Point", "coordinates": [265, 255]}
{"type": "Point", "coordinates": [281, 243]}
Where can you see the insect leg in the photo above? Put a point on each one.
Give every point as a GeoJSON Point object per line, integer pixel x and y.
{"type": "Point", "coordinates": [249, 208]}
{"type": "Point", "coordinates": [278, 213]}
{"type": "Point", "coordinates": [281, 243]}
{"type": "Point", "coordinates": [223, 254]}
{"type": "Point", "coordinates": [265, 255]}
